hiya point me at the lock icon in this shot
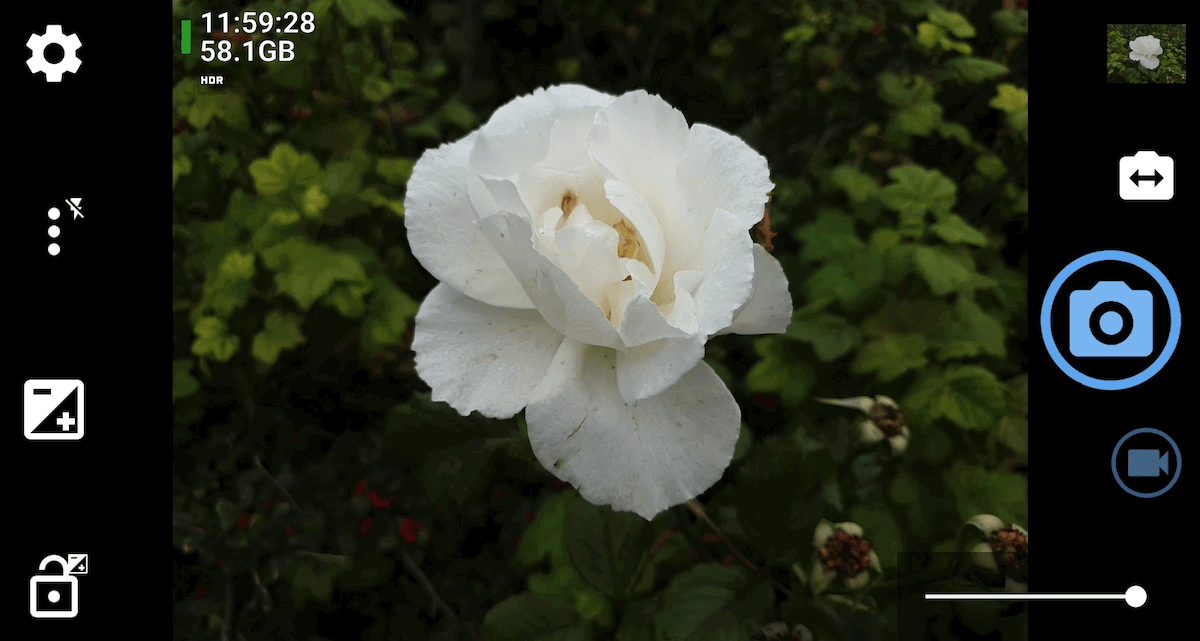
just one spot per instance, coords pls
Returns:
(53, 596)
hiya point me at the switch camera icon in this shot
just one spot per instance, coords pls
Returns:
(1147, 176)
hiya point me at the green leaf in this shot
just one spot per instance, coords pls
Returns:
(941, 269)
(859, 186)
(606, 546)
(919, 119)
(544, 538)
(360, 12)
(181, 165)
(969, 396)
(831, 234)
(184, 384)
(953, 22)
(985, 329)
(1009, 98)
(391, 310)
(313, 201)
(777, 372)
(953, 229)
(891, 355)
(458, 472)
(904, 489)
(375, 89)
(881, 531)
(830, 335)
(214, 340)
(458, 113)
(532, 617)
(307, 271)
(310, 583)
(978, 491)
(851, 278)
(929, 35)
(974, 69)
(1013, 432)
(343, 178)
(955, 131)
(285, 169)
(917, 191)
(394, 169)
(280, 331)
(229, 107)
(694, 598)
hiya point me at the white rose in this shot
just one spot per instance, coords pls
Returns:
(1146, 51)
(587, 247)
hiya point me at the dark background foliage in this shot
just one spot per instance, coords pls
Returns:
(320, 494)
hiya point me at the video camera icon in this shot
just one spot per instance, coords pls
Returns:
(1151, 462)
(1148, 463)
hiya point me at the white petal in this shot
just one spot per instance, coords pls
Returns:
(479, 357)
(720, 171)
(727, 261)
(643, 322)
(899, 443)
(987, 523)
(820, 577)
(873, 560)
(853, 529)
(518, 133)
(822, 533)
(859, 581)
(557, 297)
(588, 253)
(981, 554)
(769, 310)
(1133, 55)
(863, 404)
(650, 369)
(1150, 62)
(665, 451)
(869, 432)
(439, 218)
(639, 138)
(637, 211)
(886, 400)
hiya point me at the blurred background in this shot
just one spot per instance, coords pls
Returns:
(320, 494)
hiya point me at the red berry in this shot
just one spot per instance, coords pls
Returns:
(288, 531)
(517, 542)
(691, 551)
(380, 503)
(201, 591)
(365, 526)
(497, 495)
(266, 504)
(295, 437)
(360, 488)
(243, 521)
(528, 516)
(409, 529)
(557, 484)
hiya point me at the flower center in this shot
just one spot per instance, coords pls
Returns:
(889, 420)
(1011, 549)
(847, 555)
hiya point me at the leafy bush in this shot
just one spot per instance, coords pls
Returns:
(320, 494)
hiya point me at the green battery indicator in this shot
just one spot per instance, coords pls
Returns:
(186, 41)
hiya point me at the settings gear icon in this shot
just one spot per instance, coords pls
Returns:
(53, 70)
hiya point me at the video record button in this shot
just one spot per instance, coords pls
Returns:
(1146, 462)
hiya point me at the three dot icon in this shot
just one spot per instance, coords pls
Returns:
(53, 213)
